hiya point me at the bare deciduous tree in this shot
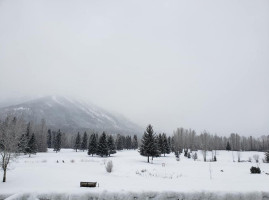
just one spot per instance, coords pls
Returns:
(239, 156)
(10, 132)
(205, 143)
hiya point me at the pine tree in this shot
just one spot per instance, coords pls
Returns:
(102, 148)
(128, 142)
(84, 142)
(195, 156)
(169, 144)
(77, 142)
(166, 146)
(135, 143)
(28, 131)
(27, 138)
(186, 152)
(123, 140)
(173, 144)
(228, 146)
(58, 141)
(111, 145)
(119, 143)
(149, 146)
(53, 139)
(92, 149)
(32, 147)
(97, 137)
(177, 154)
(267, 156)
(23, 143)
(49, 138)
(160, 144)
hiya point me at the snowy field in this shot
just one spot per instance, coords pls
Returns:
(132, 177)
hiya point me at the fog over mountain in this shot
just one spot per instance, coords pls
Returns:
(192, 64)
(71, 115)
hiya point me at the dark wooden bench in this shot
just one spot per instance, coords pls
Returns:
(88, 184)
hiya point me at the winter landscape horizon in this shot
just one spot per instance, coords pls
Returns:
(134, 100)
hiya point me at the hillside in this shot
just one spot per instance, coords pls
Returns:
(71, 115)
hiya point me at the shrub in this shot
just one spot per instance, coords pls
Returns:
(215, 159)
(189, 155)
(255, 170)
(256, 157)
(72, 161)
(109, 166)
(143, 170)
(194, 156)
(177, 155)
(186, 152)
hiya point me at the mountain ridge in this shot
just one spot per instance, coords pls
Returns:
(71, 115)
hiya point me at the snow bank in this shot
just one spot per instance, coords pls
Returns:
(143, 196)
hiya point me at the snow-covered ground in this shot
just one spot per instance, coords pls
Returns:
(132, 175)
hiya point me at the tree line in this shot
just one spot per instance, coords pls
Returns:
(187, 140)
(18, 136)
(103, 145)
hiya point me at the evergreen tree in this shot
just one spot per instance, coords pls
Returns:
(49, 137)
(267, 156)
(27, 138)
(23, 143)
(53, 139)
(195, 156)
(97, 137)
(28, 131)
(58, 141)
(77, 142)
(84, 142)
(149, 146)
(123, 139)
(177, 154)
(32, 147)
(102, 148)
(186, 152)
(228, 146)
(166, 146)
(92, 149)
(119, 142)
(111, 145)
(173, 144)
(163, 144)
(160, 144)
(128, 142)
(169, 144)
(135, 143)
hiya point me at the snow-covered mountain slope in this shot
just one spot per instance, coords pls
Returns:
(70, 115)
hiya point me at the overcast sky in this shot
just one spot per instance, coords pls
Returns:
(192, 64)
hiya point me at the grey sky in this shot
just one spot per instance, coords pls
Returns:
(193, 64)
